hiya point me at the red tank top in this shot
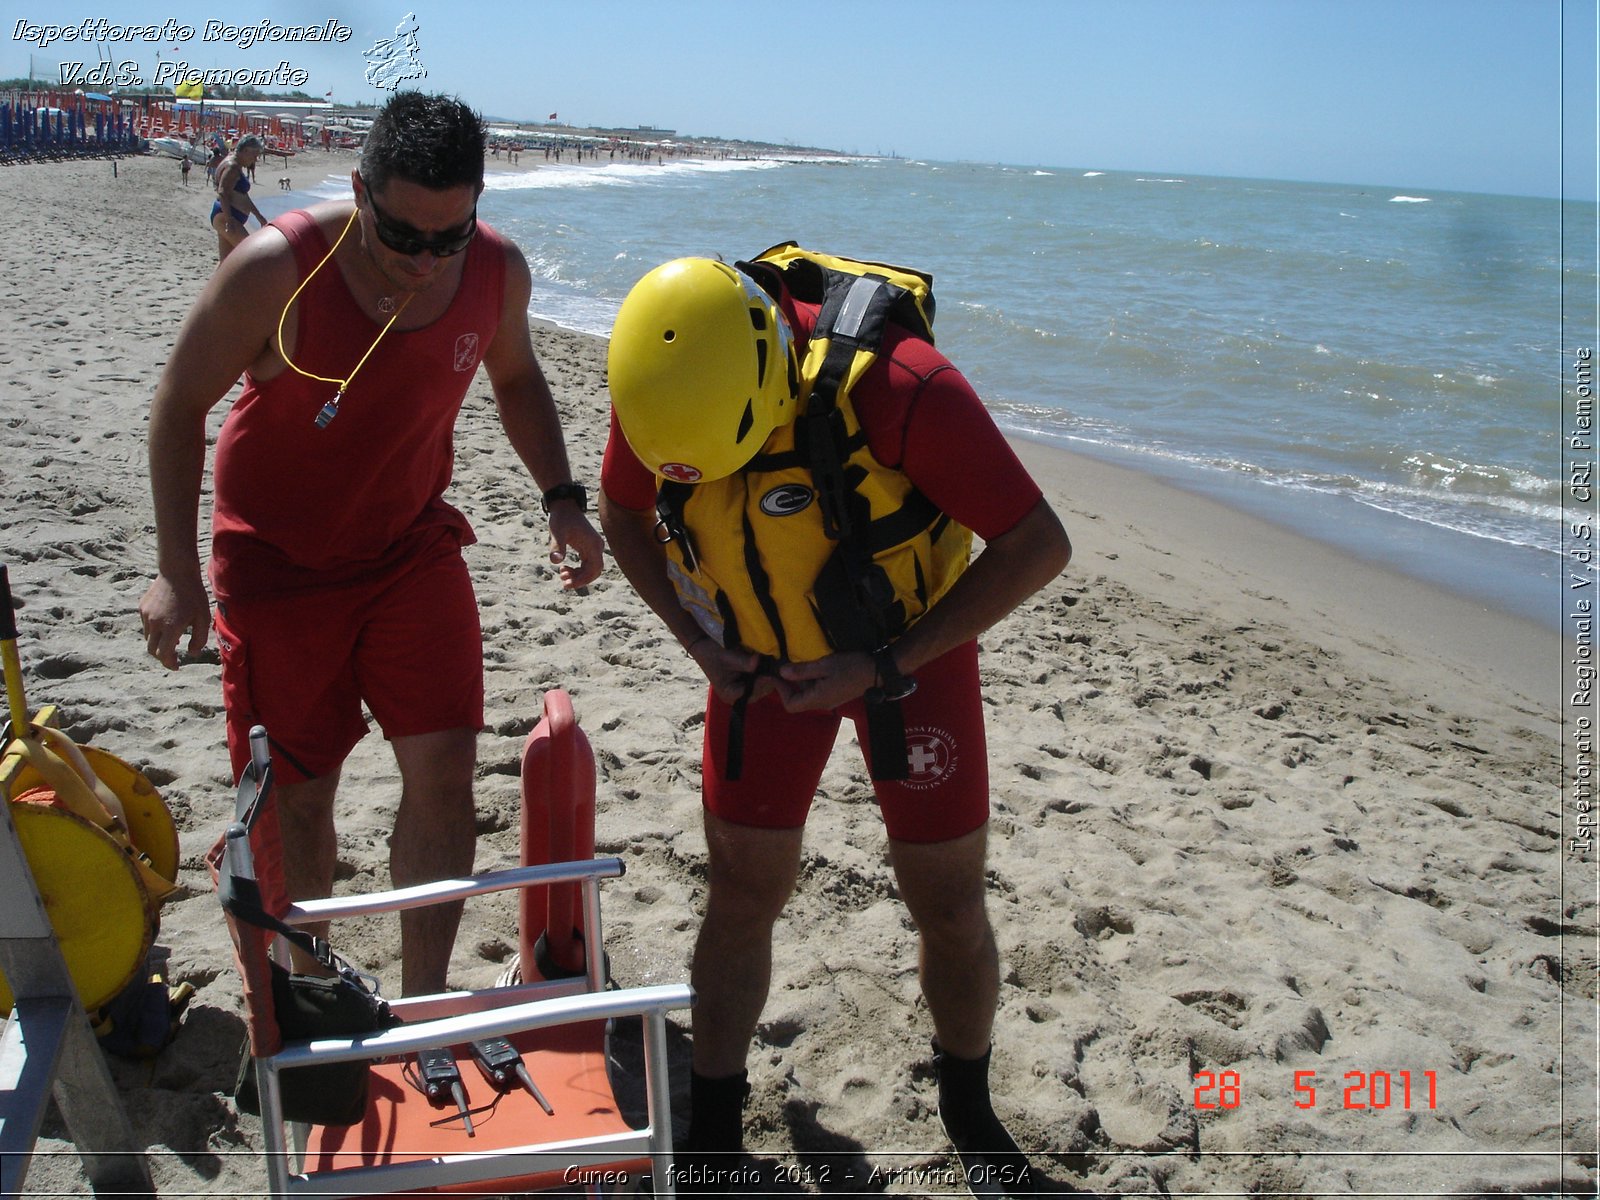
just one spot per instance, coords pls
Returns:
(298, 507)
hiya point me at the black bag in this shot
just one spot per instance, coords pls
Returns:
(312, 1006)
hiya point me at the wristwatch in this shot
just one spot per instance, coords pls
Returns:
(567, 491)
(892, 685)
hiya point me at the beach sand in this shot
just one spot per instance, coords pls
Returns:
(1260, 809)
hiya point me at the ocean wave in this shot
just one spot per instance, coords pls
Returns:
(333, 187)
(1410, 199)
(1509, 521)
(983, 320)
(1490, 482)
(1516, 515)
(622, 174)
(568, 308)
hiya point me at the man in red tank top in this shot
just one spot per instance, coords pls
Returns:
(358, 327)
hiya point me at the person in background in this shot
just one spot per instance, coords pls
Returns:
(233, 204)
(336, 562)
(712, 506)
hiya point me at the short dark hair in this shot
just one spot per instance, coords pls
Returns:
(433, 140)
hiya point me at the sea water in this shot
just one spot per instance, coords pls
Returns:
(1378, 368)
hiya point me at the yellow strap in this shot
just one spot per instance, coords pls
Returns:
(14, 694)
(344, 383)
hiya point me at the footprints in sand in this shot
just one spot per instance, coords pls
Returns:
(1101, 924)
(1262, 861)
(1224, 1007)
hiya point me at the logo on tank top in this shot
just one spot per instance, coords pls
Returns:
(466, 352)
(930, 755)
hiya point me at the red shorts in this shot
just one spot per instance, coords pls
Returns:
(407, 644)
(945, 796)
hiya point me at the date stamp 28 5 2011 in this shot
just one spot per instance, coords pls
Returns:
(1376, 1090)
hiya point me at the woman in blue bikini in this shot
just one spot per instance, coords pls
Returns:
(234, 186)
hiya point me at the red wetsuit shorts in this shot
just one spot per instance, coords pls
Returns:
(945, 795)
(406, 643)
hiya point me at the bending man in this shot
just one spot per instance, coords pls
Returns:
(817, 522)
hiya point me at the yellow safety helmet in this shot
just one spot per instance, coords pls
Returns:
(702, 369)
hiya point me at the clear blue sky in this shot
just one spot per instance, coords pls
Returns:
(1442, 94)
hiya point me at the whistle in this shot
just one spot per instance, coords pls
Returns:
(330, 410)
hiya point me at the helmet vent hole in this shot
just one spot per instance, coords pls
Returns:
(670, 335)
(746, 421)
(761, 364)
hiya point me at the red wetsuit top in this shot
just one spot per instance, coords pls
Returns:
(921, 417)
(298, 507)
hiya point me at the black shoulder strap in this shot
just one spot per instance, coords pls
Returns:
(671, 499)
(237, 885)
(855, 309)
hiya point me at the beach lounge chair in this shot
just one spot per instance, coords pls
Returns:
(404, 1142)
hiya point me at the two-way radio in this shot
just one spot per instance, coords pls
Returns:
(503, 1067)
(441, 1076)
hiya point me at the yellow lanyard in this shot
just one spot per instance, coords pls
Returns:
(330, 410)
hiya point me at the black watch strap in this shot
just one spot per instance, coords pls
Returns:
(567, 491)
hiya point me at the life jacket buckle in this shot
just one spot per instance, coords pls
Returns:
(669, 527)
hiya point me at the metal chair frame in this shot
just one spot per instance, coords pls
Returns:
(454, 1017)
(451, 1018)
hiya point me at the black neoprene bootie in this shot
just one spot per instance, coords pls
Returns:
(994, 1166)
(711, 1161)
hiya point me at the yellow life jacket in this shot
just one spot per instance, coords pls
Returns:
(815, 546)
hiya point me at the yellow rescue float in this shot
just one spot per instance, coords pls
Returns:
(99, 840)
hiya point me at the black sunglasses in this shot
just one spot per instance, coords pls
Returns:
(403, 239)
